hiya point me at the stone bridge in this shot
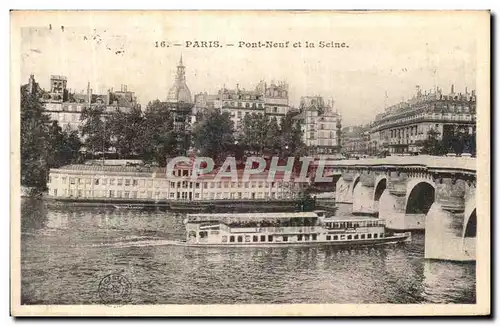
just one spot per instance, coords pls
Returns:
(415, 192)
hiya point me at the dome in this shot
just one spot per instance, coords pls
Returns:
(179, 92)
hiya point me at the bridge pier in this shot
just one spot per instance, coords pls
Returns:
(446, 224)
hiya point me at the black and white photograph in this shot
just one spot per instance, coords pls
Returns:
(250, 163)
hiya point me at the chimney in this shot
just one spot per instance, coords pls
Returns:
(452, 89)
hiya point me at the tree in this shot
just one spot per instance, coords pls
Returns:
(95, 129)
(64, 145)
(157, 138)
(432, 145)
(291, 137)
(214, 136)
(35, 145)
(272, 141)
(254, 132)
(126, 129)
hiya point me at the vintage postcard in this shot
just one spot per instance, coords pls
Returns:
(250, 163)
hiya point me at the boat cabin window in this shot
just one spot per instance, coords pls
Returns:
(369, 236)
(328, 237)
(342, 237)
(270, 238)
(247, 238)
(335, 237)
(375, 235)
(231, 238)
(381, 235)
(362, 236)
(240, 238)
(299, 237)
(255, 238)
(349, 237)
(203, 234)
(314, 236)
(356, 237)
(306, 237)
(262, 238)
(285, 238)
(224, 238)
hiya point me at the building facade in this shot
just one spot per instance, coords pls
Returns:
(403, 127)
(276, 101)
(122, 183)
(321, 125)
(238, 103)
(357, 142)
(66, 107)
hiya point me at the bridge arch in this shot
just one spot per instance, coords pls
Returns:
(380, 186)
(470, 225)
(420, 196)
(355, 182)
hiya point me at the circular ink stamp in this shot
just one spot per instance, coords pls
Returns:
(114, 288)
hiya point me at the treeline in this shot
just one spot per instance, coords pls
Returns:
(455, 140)
(151, 135)
(44, 144)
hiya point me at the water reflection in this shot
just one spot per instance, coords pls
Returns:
(62, 264)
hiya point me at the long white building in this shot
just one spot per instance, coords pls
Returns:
(118, 183)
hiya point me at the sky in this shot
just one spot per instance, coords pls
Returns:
(387, 54)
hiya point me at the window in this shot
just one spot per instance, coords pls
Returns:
(285, 238)
(119, 182)
(349, 237)
(335, 237)
(134, 182)
(119, 194)
(247, 238)
(240, 238)
(111, 193)
(231, 238)
(299, 237)
(369, 236)
(375, 235)
(87, 181)
(328, 237)
(270, 238)
(104, 182)
(356, 237)
(255, 238)
(96, 181)
(126, 194)
(150, 194)
(134, 194)
(112, 181)
(72, 181)
(197, 185)
(127, 182)
(262, 238)
(381, 235)
(275, 109)
(224, 238)
(362, 236)
(314, 237)
(306, 237)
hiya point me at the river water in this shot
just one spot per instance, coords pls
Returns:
(67, 251)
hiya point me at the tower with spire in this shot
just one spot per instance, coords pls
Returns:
(179, 92)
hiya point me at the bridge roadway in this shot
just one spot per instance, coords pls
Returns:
(435, 194)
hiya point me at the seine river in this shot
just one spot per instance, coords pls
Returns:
(67, 251)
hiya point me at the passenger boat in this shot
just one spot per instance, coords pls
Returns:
(285, 229)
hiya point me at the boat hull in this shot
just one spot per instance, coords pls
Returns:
(397, 238)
